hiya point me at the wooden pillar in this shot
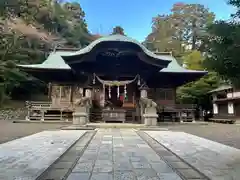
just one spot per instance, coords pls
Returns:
(49, 91)
(71, 94)
(60, 94)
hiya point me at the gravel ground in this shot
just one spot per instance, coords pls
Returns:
(10, 131)
(228, 134)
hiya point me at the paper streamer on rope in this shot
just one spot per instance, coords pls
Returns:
(94, 78)
(118, 93)
(125, 91)
(116, 83)
(109, 92)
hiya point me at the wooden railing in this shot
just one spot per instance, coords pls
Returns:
(39, 110)
(177, 107)
(47, 105)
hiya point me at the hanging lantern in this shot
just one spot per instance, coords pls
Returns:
(118, 93)
(109, 92)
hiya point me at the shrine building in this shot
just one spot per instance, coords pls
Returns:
(111, 69)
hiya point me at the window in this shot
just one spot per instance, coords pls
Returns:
(164, 94)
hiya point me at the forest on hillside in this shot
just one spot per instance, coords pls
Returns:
(30, 29)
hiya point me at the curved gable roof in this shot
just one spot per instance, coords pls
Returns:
(116, 37)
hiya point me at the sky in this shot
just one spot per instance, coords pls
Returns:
(135, 16)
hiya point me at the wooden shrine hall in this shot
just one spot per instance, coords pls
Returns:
(114, 71)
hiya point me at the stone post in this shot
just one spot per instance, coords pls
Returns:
(230, 108)
(180, 117)
(42, 115)
(215, 106)
(80, 116)
(88, 94)
(193, 117)
(143, 94)
(150, 116)
(149, 111)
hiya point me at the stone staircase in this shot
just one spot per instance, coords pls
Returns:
(96, 114)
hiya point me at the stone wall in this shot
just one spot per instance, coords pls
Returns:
(13, 114)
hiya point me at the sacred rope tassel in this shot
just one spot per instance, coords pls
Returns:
(109, 92)
(118, 93)
(125, 91)
(94, 80)
(138, 82)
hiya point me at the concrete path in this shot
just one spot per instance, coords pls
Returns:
(215, 160)
(26, 158)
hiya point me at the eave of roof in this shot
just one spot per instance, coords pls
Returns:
(53, 62)
(174, 67)
(221, 88)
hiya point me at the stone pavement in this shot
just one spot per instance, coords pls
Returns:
(117, 154)
(26, 158)
(120, 155)
(215, 160)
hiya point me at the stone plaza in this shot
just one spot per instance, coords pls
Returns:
(117, 154)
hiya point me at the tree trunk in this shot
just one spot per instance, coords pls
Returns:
(194, 34)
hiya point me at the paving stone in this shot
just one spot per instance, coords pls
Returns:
(124, 175)
(78, 148)
(172, 159)
(146, 174)
(32, 155)
(169, 176)
(104, 158)
(83, 167)
(213, 159)
(161, 167)
(79, 176)
(56, 174)
(190, 173)
(103, 168)
(89, 157)
(141, 165)
(68, 158)
(164, 153)
(179, 165)
(138, 159)
(122, 166)
(62, 165)
(103, 163)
